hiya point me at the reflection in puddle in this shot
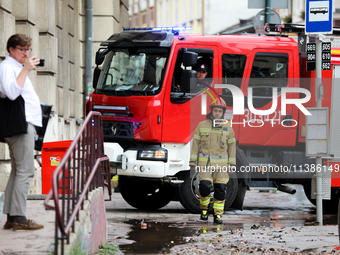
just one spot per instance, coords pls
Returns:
(157, 237)
(160, 237)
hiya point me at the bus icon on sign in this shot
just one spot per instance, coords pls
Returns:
(322, 10)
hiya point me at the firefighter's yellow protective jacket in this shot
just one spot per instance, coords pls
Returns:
(213, 145)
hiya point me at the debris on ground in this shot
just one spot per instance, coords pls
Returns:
(264, 240)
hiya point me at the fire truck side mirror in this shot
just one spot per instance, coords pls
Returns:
(99, 58)
(96, 74)
(189, 58)
(189, 77)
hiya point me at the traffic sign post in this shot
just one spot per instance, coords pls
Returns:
(261, 4)
(319, 20)
(318, 103)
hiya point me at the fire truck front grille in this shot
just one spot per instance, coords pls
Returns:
(117, 130)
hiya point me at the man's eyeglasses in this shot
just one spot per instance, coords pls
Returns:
(24, 50)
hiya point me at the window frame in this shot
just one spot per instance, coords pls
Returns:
(269, 78)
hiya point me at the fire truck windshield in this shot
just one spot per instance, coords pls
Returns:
(133, 71)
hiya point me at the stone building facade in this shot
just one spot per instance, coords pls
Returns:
(167, 13)
(57, 28)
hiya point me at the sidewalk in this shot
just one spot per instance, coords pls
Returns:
(29, 242)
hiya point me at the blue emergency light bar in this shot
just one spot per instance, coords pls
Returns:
(172, 29)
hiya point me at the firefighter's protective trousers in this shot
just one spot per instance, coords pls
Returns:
(213, 152)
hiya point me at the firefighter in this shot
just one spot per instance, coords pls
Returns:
(213, 155)
(202, 69)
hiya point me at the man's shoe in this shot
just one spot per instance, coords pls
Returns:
(8, 225)
(204, 215)
(32, 225)
(218, 219)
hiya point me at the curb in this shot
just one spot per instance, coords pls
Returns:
(1, 204)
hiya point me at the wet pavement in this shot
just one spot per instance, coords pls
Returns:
(276, 221)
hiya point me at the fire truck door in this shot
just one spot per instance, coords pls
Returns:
(183, 109)
(269, 70)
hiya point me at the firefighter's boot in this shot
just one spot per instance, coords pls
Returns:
(204, 201)
(204, 215)
(218, 219)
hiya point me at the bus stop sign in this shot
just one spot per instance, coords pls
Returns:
(319, 17)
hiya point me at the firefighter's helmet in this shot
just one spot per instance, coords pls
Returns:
(218, 103)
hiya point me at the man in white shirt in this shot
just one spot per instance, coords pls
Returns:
(14, 81)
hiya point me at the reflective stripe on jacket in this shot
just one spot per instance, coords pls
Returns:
(213, 146)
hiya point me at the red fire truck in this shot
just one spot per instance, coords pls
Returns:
(145, 90)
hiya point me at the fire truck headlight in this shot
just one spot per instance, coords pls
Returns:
(152, 154)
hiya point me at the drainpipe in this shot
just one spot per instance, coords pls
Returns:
(88, 50)
(202, 19)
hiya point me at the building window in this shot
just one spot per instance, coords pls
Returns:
(199, 9)
(151, 15)
(167, 13)
(135, 9)
(131, 21)
(143, 18)
(136, 21)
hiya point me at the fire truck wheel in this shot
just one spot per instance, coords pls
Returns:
(145, 194)
(328, 206)
(189, 194)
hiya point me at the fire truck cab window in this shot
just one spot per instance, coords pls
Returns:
(232, 69)
(269, 70)
(133, 71)
(205, 57)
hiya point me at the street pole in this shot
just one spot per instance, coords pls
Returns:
(88, 49)
(267, 11)
(318, 104)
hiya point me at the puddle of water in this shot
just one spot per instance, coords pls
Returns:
(327, 220)
(264, 210)
(159, 237)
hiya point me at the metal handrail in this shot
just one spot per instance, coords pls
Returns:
(81, 170)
